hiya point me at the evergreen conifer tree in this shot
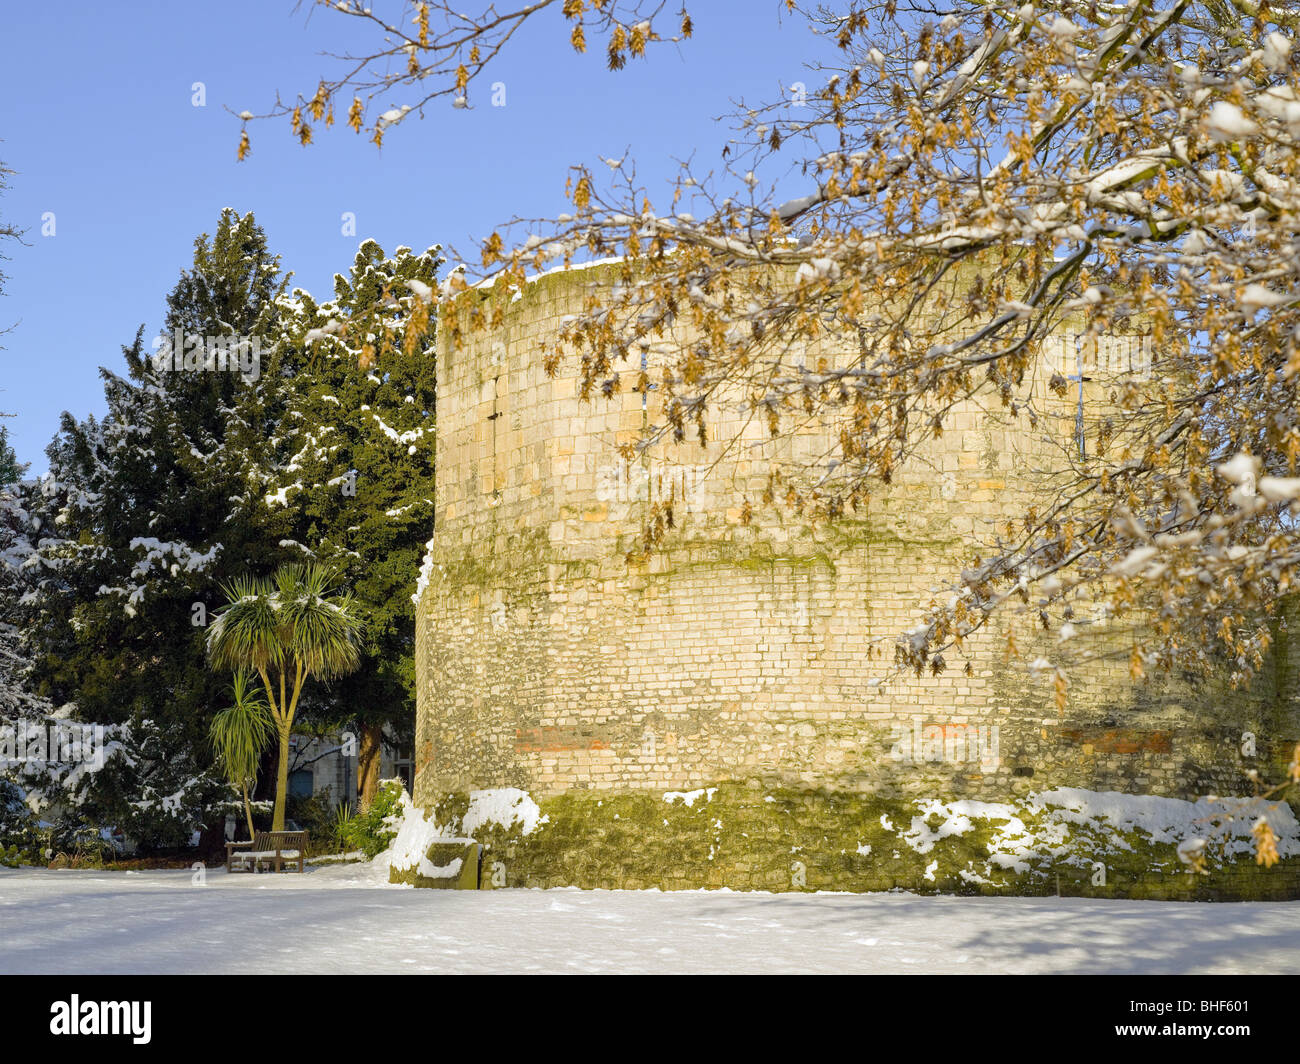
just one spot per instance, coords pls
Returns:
(353, 481)
(142, 503)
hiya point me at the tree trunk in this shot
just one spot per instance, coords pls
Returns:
(281, 780)
(248, 812)
(212, 843)
(368, 758)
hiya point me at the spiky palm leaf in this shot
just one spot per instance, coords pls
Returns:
(322, 631)
(247, 634)
(240, 734)
(292, 626)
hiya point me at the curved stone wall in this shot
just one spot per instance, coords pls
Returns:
(750, 652)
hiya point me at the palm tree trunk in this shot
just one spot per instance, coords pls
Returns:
(287, 710)
(282, 778)
(248, 812)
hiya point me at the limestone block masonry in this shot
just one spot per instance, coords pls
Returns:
(749, 655)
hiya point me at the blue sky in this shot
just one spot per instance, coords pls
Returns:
(98, 122)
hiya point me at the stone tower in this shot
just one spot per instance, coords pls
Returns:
(755, 654)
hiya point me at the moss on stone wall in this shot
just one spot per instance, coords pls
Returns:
(741, 837)
(459, 860)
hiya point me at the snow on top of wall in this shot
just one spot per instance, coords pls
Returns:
(418, 830)
(504, 806)
(573, 267)
(1043, 825)
(689, 798)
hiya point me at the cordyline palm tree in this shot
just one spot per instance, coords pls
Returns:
(288, 629)
(239, 734)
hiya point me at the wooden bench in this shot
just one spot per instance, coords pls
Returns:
(268, 847)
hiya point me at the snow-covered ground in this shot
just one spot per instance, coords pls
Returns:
(345, 918)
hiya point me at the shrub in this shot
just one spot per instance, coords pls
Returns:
(19, 831)
(314, 815)
(81, 841)
(373, 831)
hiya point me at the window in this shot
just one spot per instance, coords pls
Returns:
(301, 783)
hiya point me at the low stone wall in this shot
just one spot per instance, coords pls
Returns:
(738, 837)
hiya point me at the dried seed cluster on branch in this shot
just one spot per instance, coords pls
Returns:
(968, 180)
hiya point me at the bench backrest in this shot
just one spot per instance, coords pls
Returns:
(280, 840)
